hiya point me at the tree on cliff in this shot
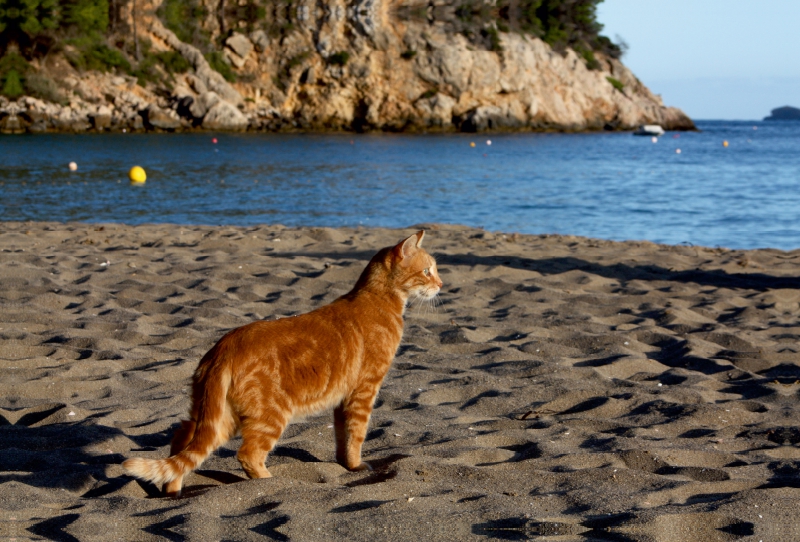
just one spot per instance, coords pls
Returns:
(561, 23)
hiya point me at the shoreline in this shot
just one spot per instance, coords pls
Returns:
(30, 115)
(565, 385)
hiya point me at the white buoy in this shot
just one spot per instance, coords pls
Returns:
(73, 166)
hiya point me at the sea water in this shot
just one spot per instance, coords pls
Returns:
(680, 188)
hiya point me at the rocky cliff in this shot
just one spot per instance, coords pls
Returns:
(350, 65)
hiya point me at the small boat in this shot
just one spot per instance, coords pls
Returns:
(649, 130)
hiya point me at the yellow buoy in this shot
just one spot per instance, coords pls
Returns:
(137, 175)
(725, 143)
(472, 144)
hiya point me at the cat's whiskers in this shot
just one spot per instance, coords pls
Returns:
(433, 304)
(426, 302)
(419, 300)
(436, 302)
(429, 305)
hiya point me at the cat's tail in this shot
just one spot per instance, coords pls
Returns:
(213, 428)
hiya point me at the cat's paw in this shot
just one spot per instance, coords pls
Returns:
(364, 466)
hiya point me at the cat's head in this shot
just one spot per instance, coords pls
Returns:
(414, 270)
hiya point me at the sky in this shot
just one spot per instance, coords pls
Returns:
(715, 59)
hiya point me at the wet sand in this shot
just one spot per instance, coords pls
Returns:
(565, 388)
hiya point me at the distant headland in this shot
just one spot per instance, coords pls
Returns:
(784, 113)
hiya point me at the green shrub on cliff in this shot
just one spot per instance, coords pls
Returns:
(36, 16)
(588, 57)
(217, 62)
(616, 83)
(573, 24)
(12, 84)
(91, 54)
(339, 59)
(41, 86)
(17, 78)
(527, 19)
(21, 20)
(182, 17)
(561, 23)
(494, 38)
(87, 16)
(158, 66)
(173, 62)
(13, 68)
(30, 28)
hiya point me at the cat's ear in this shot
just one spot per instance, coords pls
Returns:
(407, 247)
(419, 235)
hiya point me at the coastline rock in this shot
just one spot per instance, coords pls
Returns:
(223, 115)
(786, 112)
(11, 124)
(72, 118)
(101, 120)
(155, 117)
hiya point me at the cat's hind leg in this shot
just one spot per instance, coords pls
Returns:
(350, 421)
(258, 439)
(182, 437)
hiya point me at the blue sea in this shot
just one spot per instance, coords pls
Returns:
(682, 188)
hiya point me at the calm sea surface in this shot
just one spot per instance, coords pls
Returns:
(606, 185)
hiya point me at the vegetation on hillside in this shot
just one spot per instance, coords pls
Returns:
(561, 23)
(98, 34)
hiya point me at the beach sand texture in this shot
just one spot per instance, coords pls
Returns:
(565, 389)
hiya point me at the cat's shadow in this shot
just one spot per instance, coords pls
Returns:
(279, 451)
(625, 272)
(381, 471)
(38, 449)
(618, 271)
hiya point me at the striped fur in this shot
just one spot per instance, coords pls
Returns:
(260, 376)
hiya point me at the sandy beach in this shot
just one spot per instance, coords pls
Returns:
(564, 389)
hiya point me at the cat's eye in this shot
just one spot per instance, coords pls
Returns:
(426, 271)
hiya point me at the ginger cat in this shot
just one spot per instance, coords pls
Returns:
(259, 376)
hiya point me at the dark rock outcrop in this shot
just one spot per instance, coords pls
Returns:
(784, 113)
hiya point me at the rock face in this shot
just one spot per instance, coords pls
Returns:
(223, 115)
(784, 113)
(356, 65)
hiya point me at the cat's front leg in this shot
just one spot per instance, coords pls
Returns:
(350, 421)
